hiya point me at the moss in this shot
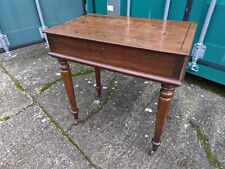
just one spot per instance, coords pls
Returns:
(68, 137)
(99, 108)
(80, 72)
(48, 85)
(5, 118)
(15, 81)
(206, 84)
(201, 136)
(83, 71)
(18, 85)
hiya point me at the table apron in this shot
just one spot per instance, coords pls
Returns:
(153, 65)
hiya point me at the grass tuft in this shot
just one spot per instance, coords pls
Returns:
(5, 118)
(204, 141)
(18, 85)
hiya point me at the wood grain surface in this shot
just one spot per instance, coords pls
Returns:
(152, 34)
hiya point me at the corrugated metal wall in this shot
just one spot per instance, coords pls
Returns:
(20, 22)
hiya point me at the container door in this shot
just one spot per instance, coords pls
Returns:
(19, 21)
(60, 11)
(212, 66)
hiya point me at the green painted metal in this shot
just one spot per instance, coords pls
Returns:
(214, 40)
(101, 7)
(177, 8)
(90, 6)
(215, 37)
(60, 11)
(123, 7)
(147, 9)
(19, 19)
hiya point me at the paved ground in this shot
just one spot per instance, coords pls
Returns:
(37, 130)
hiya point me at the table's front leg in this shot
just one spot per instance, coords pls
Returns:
(98, 80)
(68, 83)
(164, 102)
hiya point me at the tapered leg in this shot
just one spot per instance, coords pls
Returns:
(98, 80)
(68, 83)
(164, 102)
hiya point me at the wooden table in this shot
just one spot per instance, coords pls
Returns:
(148, 48)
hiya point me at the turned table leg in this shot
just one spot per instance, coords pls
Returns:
(98, 80)
(68, 83)
(164, 102)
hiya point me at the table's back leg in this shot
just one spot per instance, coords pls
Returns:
(164, 102)
(67, 78)
(98, 80)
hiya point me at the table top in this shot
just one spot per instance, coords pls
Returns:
(151, 34)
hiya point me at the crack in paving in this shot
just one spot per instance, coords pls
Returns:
(15, 81)
(82, 71)
(100, 107)
(203, 140)
(8, 117)
(19, 88)
(68, 136)
(52, 119)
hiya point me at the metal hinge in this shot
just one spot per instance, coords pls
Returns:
(197, 53)
(41, 29)
(4, 42)
(43, 35)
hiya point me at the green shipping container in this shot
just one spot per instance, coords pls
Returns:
(20, 22)
(212, 66)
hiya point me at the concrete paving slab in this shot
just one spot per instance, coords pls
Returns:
(119, 136)
(30, 141)
(55, 100)
(12, 101)
(208, 112)
(33, 67)
(116, 133)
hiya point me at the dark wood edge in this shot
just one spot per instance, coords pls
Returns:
(185, 37)
(118, 69)
(84, 7)
(94, 6)
(180, 54)
(183, 70)
(188, 9)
